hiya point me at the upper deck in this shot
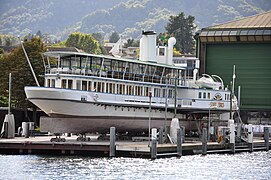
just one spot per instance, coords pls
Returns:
(116, 68)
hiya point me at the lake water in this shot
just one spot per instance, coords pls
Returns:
(256, 165)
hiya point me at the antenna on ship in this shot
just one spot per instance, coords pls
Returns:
(31, 68)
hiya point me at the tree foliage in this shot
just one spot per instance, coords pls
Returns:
(85, 42)
(182, 28)
(15, 62)
(131, 43)
(114, 37)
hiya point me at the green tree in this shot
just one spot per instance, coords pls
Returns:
(114, 37)
(99, 37)
(15, 62)
(39, 34)
(182, 28)
(131, 43)
(84, 42)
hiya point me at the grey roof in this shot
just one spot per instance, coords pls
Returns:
(258, 21)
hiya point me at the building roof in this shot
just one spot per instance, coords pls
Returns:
(249, 29)
(260, 21)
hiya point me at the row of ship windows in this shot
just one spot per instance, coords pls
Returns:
(111, 87)
(204, 95)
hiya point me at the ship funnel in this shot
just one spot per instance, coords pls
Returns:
(171, 43)
(148, 46)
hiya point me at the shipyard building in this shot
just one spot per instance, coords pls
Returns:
(245, 43)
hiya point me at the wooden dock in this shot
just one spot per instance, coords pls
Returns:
(101, 148)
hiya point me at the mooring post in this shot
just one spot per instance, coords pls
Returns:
(179, 142)
(266, 138)
(232, 137)
(161, 137)
(154, 143)
(204, 141)
(250, 137)
(112, 142)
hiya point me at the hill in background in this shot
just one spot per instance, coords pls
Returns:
(129, 17)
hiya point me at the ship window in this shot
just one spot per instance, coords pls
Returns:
(209, 96)
(89, 85)
(199, 94)
(78, 84)
(53, 84)
(156, 92)
(164, 93)
(204, 95)
(70, 84)
(48, 82)
(161, 51)
(94, 86)
(102, 87)
(84, 85)
(64, 83)
(170, 93)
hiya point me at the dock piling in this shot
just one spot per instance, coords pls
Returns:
(112, 142)
(179, 142)
(204, 141)
(232, 137)
(250, 138)
(266, 138)
(153, 147)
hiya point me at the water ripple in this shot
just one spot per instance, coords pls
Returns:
(256, 165)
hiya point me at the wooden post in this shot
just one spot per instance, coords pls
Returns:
(112, 142)
(179, 142)
(250, 138)
(266, 138)
(232, 138)
(154, 143)
(204, 141)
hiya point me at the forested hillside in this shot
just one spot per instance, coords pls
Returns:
(61, 17)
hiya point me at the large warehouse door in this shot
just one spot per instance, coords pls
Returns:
(253, 71)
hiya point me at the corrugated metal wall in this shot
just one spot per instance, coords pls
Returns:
(253, 70)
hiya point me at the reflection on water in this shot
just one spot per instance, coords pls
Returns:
(256, 165)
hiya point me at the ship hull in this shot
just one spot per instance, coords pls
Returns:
(68, 113)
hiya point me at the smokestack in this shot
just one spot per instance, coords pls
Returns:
(171, 43)
(148, 46)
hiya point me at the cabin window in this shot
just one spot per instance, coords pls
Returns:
(84, 85)
(70, 86)
(164, 92)
(209, 96)
(120, 89)
(138, 90)
(48, 82)
(53, 84)
(204, 95)
(156, 92)
(94, 86)
(200, 95)
(78, 84)
(89, 85)
(161, 51)
(170, 93)
(64, 83)
(102, 87)
(107, 88)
